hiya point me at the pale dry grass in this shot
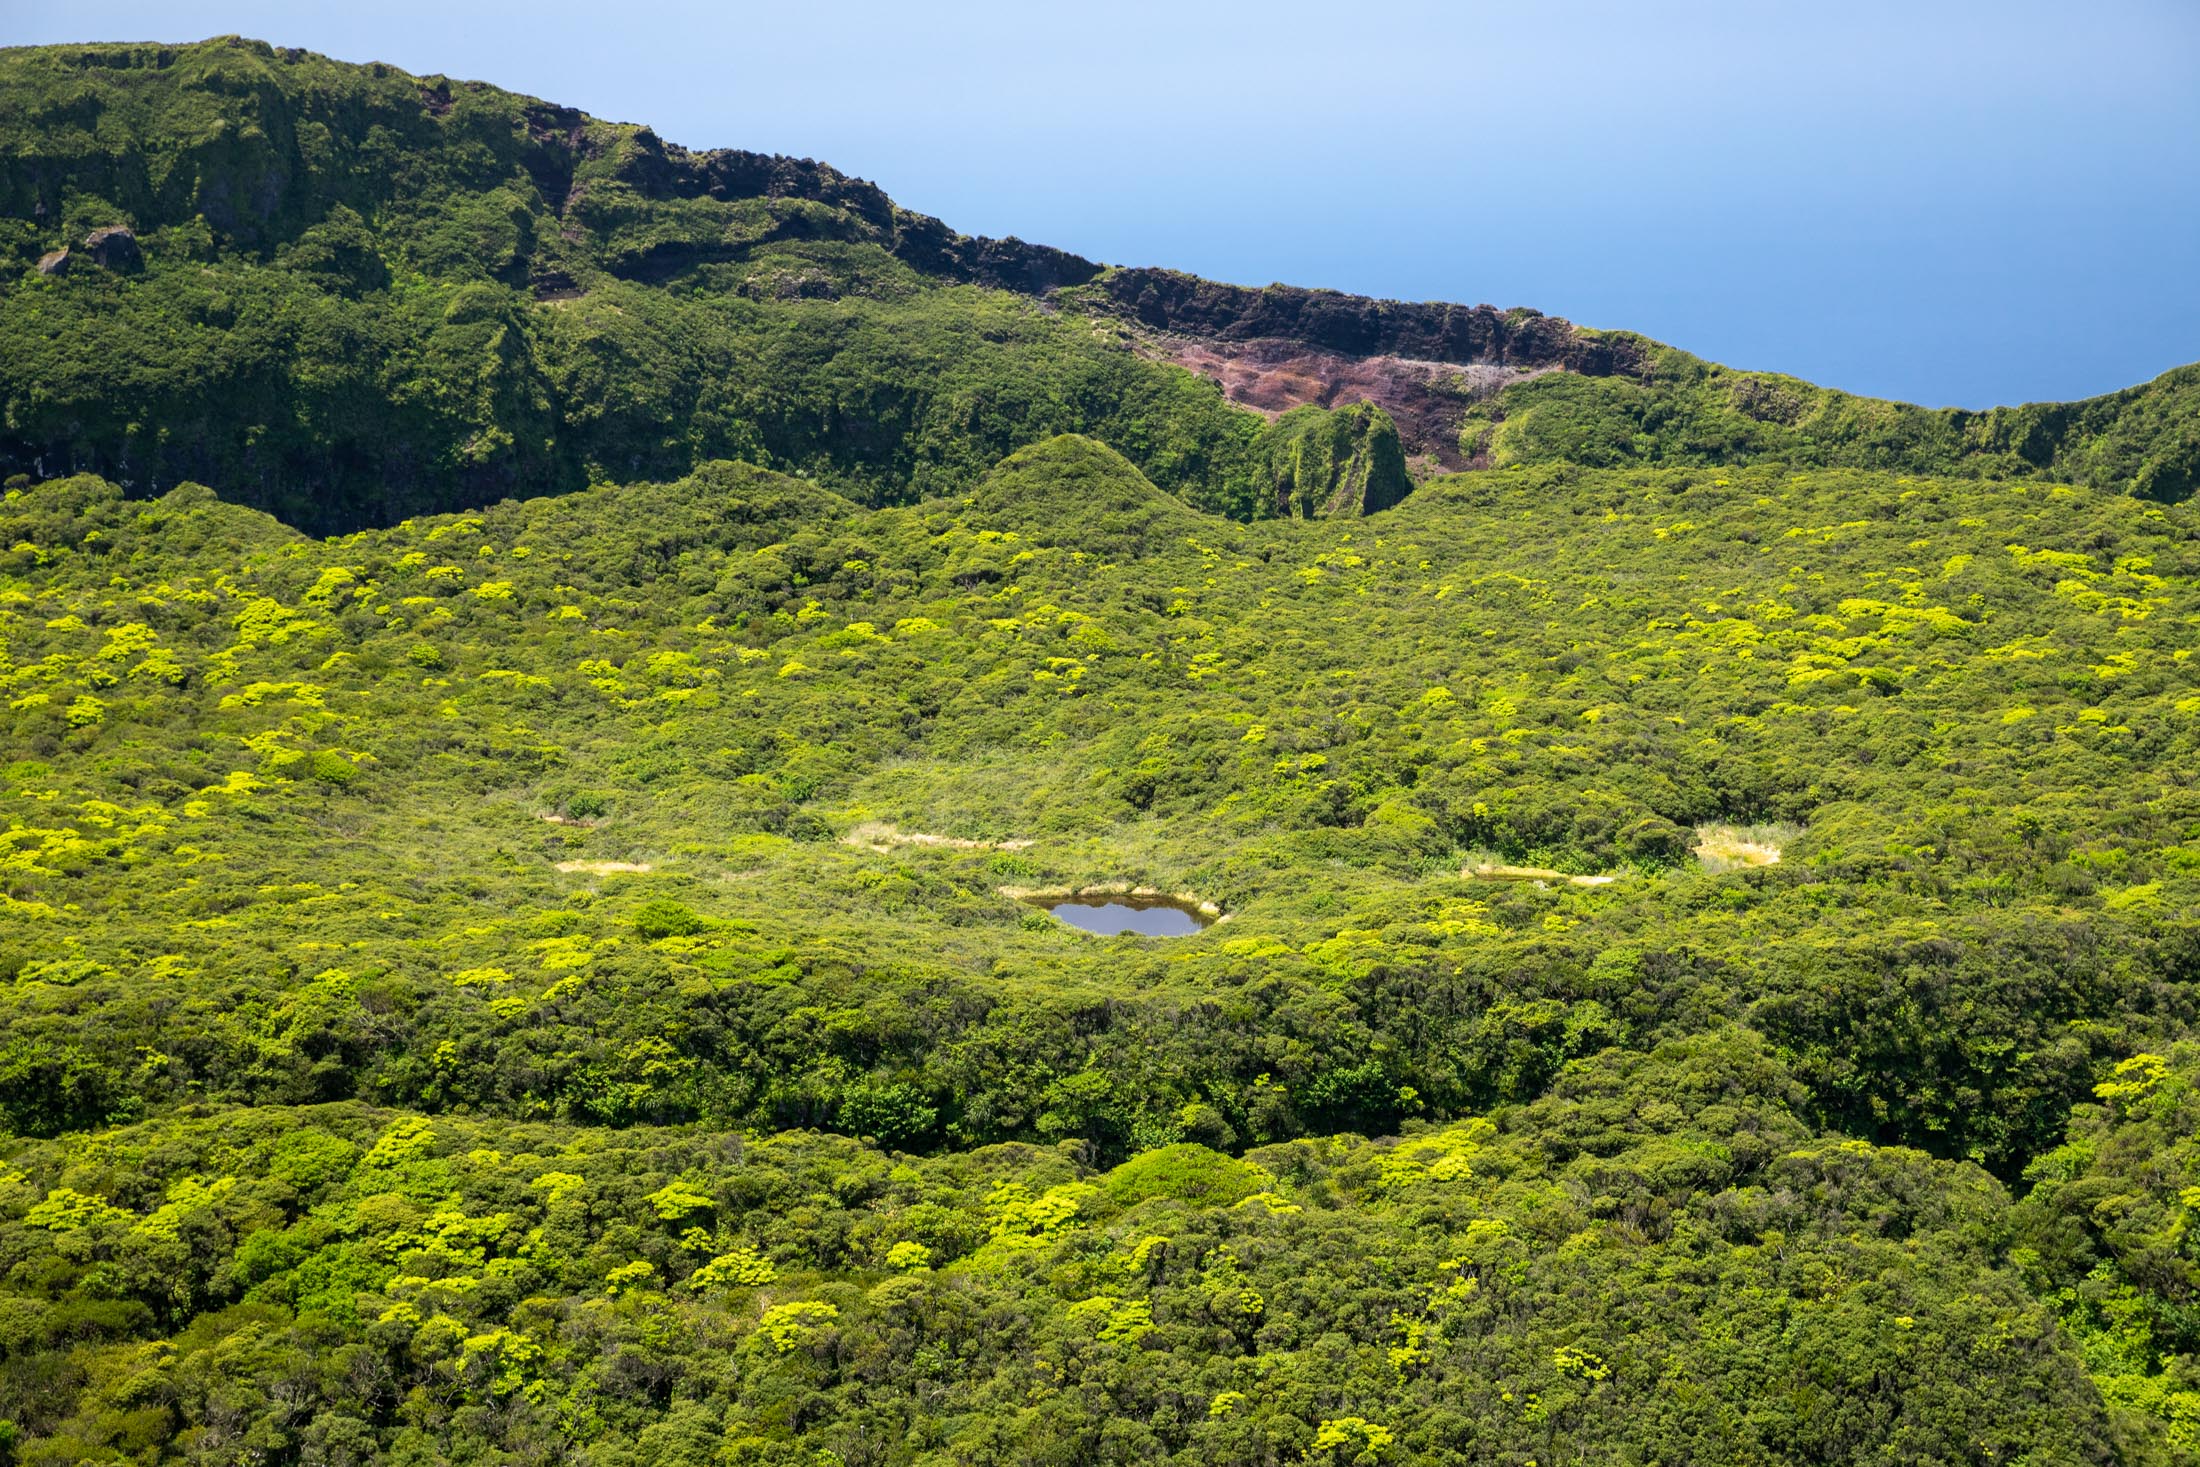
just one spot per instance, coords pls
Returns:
(877, 835)
(1730, 847)
(605, 868)
(1491, 871)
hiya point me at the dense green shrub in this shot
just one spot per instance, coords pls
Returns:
(1710, 959)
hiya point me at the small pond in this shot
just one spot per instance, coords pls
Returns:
(1110, 916)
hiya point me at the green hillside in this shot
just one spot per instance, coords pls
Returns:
(1683, 411)
(355, 295)
(360, 295)
(530, 765)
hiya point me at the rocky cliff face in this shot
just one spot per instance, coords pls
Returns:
(1281, 347)
(1352, 325)
(261, 143)
(233, 150)
(1429, 401)
(664, 171)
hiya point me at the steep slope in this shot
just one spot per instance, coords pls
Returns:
(1679, 410)
(1347, 461)
(360, 294)
(347, 294)
(1473, 387)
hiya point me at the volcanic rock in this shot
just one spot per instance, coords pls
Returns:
(114, 248)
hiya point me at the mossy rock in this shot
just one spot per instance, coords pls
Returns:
(1344, 461)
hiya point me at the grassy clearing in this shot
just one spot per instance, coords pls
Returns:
(881, 838)
(1491, 871)
(1731, 847)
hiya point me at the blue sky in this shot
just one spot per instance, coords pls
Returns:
(1949, 202)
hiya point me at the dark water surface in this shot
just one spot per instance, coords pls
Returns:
(1110, 916)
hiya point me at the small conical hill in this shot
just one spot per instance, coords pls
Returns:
(1078, 493)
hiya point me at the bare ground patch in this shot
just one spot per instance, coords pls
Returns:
(1426, 399)
(1732, 847)
(605, 868)
(878, 836)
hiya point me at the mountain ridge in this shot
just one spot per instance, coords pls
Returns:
(353, 294)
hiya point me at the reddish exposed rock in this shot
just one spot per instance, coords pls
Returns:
(55, 262)
(1427, 399)
(1424, 363)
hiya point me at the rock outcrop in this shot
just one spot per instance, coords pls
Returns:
(660, 170)
(114, 248)
(1360, 326)
(1347, 462)
(1281, 347)
(1427, 400)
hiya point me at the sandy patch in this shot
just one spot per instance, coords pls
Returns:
(604, 868)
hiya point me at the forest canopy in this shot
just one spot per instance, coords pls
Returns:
(544, 679)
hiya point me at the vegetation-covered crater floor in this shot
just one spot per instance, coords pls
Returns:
(434, 909)
(540, 671)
